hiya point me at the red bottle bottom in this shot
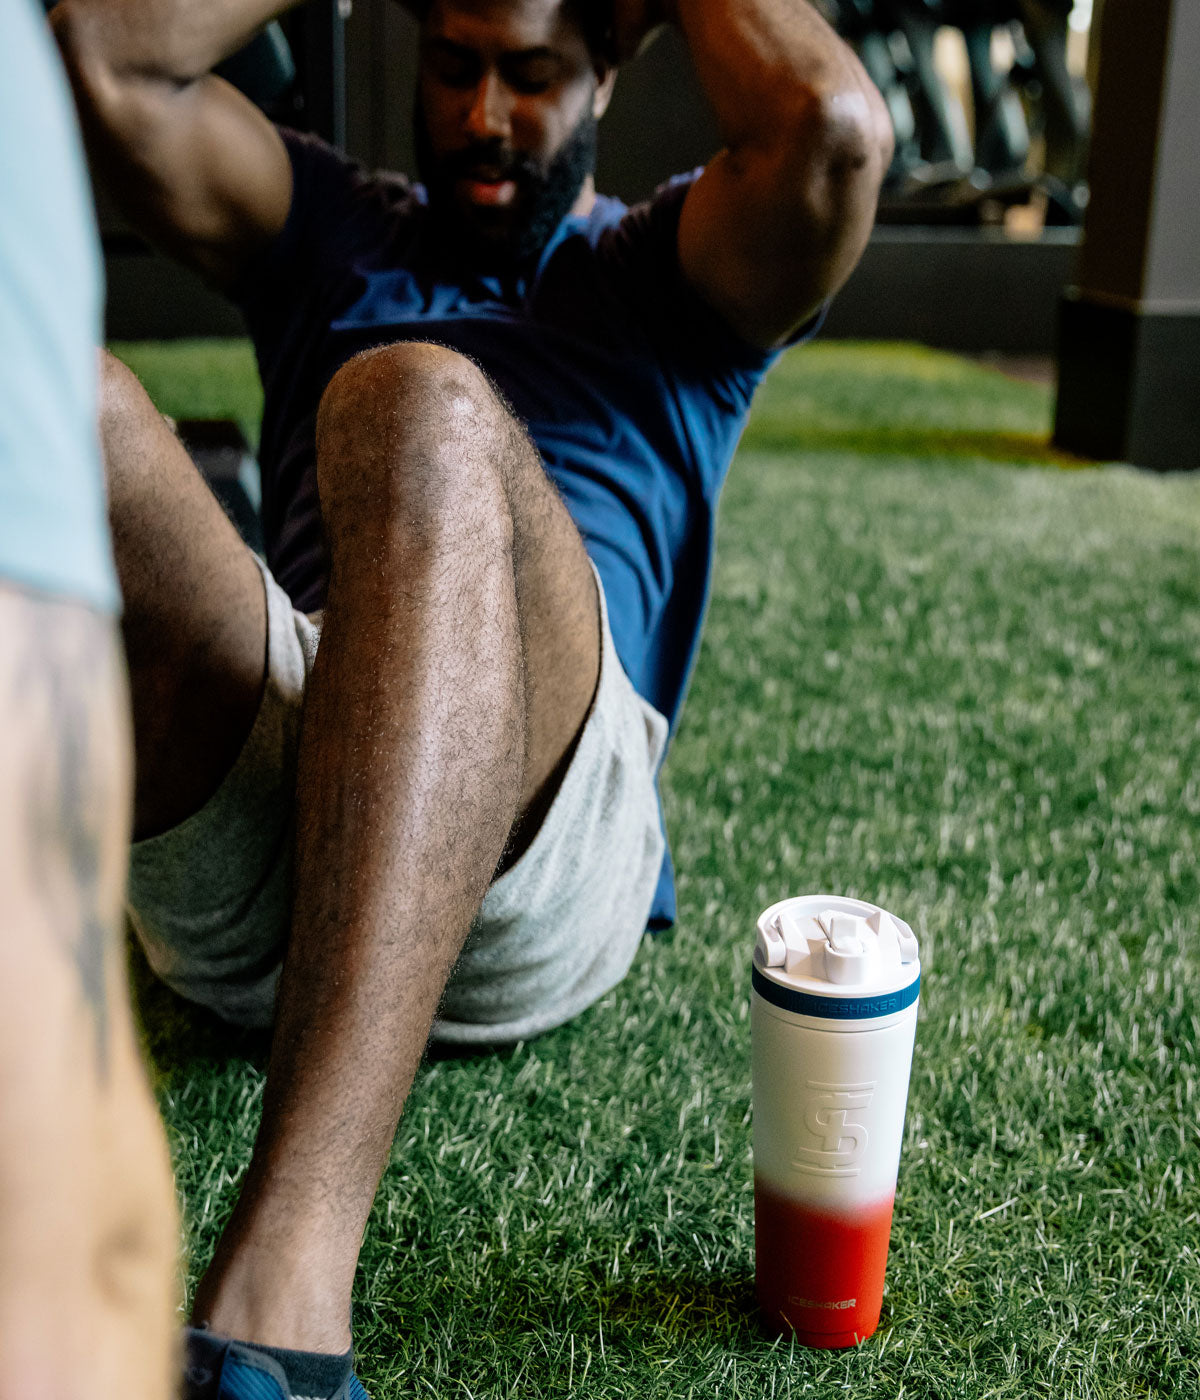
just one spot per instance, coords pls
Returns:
(820, 1273)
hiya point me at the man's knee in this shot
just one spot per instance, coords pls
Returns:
(415, 434)
(411, 378)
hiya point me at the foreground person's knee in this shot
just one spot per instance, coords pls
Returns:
(122, 401)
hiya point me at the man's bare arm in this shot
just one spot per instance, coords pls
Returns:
(781, 215)
(194, 164)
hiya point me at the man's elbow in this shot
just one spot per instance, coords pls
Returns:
(69, 28)
(79, 33)
(845, 134)
(829, 168)
(120, 105)
(84, 39)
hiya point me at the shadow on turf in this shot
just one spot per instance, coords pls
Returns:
(685, 1306)
(1013, 449)
(669, 1308)
(175, 1032)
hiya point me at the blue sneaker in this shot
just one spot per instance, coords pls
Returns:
(216, 1368)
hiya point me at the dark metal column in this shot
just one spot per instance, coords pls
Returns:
(1129, 346)
(320, 36)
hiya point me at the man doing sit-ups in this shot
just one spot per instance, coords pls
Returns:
(499, 409)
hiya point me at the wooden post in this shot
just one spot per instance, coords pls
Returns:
(1129, 342)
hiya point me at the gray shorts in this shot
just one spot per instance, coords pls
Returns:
(210, 899)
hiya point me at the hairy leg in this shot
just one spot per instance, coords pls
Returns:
(195, 623)
(458, 659)
(87, 1217)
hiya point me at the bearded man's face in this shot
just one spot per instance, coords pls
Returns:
(507, 102)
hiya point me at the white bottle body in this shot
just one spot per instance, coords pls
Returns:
(829, 1104)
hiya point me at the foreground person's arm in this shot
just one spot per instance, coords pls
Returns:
(194, 165)
(87, 1226)
(780, 216)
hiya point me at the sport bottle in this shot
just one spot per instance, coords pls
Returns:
(833, 1016)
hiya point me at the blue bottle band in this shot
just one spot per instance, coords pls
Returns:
(834, 1008)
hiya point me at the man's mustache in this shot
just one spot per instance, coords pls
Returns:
(491, 160)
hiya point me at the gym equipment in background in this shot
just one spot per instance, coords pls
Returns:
(941, 172)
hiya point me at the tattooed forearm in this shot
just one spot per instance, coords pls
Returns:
(70, 808)
(62, 714)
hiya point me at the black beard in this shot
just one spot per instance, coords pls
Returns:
(545, 195)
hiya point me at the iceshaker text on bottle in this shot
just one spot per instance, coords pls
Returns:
(833, 1016)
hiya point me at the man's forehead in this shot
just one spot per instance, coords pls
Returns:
(510, 24)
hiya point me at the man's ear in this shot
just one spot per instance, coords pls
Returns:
(606, 79)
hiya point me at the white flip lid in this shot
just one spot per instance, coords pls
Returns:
(830, 946)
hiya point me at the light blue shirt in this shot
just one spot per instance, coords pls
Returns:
(53, 522)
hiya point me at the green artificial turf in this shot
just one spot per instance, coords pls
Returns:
(943, 672)
(198, 378)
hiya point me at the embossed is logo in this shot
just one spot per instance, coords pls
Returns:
(839, 1140)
